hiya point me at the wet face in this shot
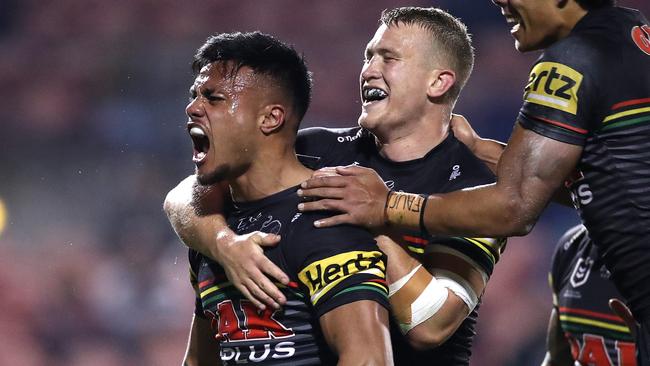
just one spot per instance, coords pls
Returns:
(535, 23)
(396, 73)
(223, 114)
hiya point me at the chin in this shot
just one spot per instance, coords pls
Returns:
(211, 177)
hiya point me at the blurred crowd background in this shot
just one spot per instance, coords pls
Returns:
(92, 97)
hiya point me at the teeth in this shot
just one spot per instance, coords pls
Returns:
(200, 155)
(196, 131)
(374, 94)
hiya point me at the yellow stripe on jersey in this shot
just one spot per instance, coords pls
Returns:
(215, 288)
(626, 113)
(594, 323)
(483, 247)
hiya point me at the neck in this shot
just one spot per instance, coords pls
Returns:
(572, 15)
(272, 171)
(414, 140)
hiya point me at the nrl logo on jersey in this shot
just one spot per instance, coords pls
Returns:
(581, 272)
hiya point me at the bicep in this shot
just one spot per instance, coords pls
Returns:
(202, 347)
(358, 325)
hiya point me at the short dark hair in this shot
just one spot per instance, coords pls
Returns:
(265, 55)
(446, 30)
(594, 4)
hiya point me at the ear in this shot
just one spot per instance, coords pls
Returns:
(272, 119)
(441, 81)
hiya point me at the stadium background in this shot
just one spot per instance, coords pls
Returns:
(93, 95)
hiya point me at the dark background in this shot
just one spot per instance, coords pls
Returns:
(92, 100)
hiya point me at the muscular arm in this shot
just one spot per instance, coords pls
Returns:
(202, 347)
(435, 330)
(196, 214)
(531, 169)
(358, 333)
(558, 350)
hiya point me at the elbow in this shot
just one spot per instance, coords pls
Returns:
(518, 220)
(423, 338)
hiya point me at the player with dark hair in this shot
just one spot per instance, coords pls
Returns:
(249, 95)
(414, 69)
(585, 121)
(582, 327)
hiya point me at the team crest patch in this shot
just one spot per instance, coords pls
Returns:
(554, 85)
(581, 272)
(641, 37)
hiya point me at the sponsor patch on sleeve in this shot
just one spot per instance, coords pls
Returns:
(554, 85)
(323, 275)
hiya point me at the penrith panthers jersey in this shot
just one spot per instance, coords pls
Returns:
(450, 166)
(592, 89)
(327, 268)
(581, 289)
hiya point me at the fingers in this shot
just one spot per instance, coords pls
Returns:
(322, 192)
(352, 170)
(335, 220)
(324, 172)
(326, 181)
(321, 205)
(266, 239)
(250, 297)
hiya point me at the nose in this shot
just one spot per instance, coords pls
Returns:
(195, 108)
(370, 70)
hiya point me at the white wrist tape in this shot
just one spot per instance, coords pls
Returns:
(459, 286)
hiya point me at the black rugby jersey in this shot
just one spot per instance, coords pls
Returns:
(327, 268)
(581, 289)
(592, 89)
(450, 166)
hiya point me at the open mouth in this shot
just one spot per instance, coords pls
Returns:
(514, 22)
(200, 142)
(371, 94)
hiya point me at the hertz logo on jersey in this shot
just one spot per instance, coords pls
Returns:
(321, 276)
(554, 85)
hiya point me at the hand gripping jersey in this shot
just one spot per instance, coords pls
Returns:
(581, 289)
(327, 268)
(448, 167)
(592, 89)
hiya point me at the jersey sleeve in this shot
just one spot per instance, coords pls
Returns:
(336, 266)
(560, 98)
(318, 147)
(195, 263)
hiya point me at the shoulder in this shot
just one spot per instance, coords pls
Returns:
(333, 146)
(302, 231)
(324, 134)
(465, 169)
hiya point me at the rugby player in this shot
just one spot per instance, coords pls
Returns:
(414, 69)
(249, 95)
(582, 328)
(585, 121)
